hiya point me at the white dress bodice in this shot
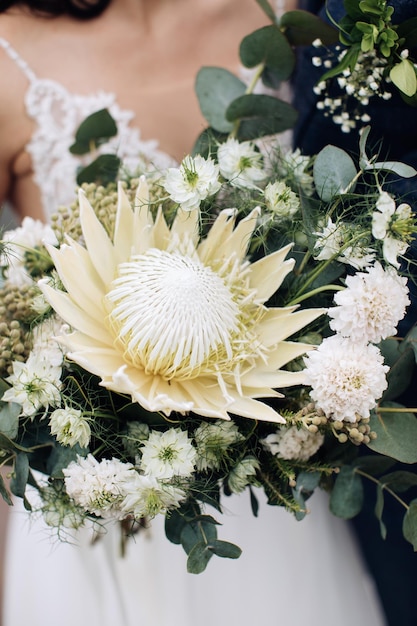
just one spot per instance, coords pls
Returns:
(290, 572)
(57, 113)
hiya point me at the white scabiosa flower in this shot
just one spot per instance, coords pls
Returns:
(241, 163)
(243, 474)
(213, 442)
(293, 444)
(99, 487)
(393, 225)
(176, 321)
(195, 180)
(280, 200)
(147, 497)
(167, 454)
(346, 378)
(371, 306)
(70, 427)
(44, 343)
(35, 384)
(31, 235)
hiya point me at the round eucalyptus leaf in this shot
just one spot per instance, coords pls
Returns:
(347, 495)
(261, 115)
(302, 28)
(396, 434)
(334, 171)
(269, 46)
(198, 558)
(216, 88)
(95, 129)
(410, 524)
(102, 170)
(225, 549)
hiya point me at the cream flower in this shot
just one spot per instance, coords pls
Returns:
(177, 323)
(167, 454)
(347, 378)
(241, 163)
(293, 443)
(70, 427)
(393, 225)
(195, 180)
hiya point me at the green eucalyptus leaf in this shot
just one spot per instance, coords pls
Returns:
(403, 75)
(410, 524)
(333, 171)
(102, 170)
(346, 498)
(399, 481)
(401, 364)
(60, 457)
(411, 340)
(216, 88)
(174, 525)
(302, 28)
(402, 169)
(268, 45)
(379, 508)
(4, 492)
(194, 532)
(260, 115)
(374, 463)
(198, 558)
(254, 503)
(208, 142)
(9, 419)
(396, 434)
(307, 482)
(407, 30)
(224, 549)
(268, 10)
(95, 129)
(20, 475)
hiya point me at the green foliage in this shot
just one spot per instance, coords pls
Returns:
(396, 433)
(103, 170)
(93, 131)
(20, 475)
(334, 171)
(307, 482)
(301, 28)
(260, 115)
(271, 48)
(347, 495)
(399, 356)
(410, 524)
(9, 419)
(216, 88)
(403, 75)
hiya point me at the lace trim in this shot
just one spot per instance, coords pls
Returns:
(57, 114)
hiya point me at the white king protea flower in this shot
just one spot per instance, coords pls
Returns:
(177, 323)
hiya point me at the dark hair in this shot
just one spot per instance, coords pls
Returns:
(81, 9)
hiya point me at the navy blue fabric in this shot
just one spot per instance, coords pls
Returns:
(392, 562)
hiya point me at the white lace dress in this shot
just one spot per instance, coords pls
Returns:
(290, 574)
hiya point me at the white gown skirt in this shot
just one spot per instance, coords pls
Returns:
(291, 573)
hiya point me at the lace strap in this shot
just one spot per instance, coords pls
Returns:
(11, 52)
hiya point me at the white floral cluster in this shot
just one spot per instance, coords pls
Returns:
(293, 443)
(365, 81)
(165, 464)
(197, 178)
(36, 383)
(390, 227)
(347, 372)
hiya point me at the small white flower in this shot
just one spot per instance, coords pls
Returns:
(293, 443)
(147, 496)
(35, 384)
(32, 234)
(167, 454)
(242, 474)
(241, 164)
(296, 167)
(58, 510)
(44, 343)
(213, 440)
(331, 242)
(70, 427)
(371, 306)
(346, 378)
(99, 487)
(281, 200)
(195, 180)
(393, 225)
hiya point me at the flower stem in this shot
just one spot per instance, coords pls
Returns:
(313, 292)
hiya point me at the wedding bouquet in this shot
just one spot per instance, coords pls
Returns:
(222, 326)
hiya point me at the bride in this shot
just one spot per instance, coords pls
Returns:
(55, 71)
